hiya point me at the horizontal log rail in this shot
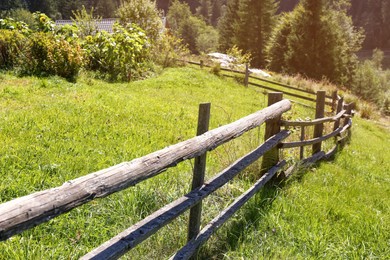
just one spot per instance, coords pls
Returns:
(315, 121)
(23, 213)
(257, 78)
(338, 131)
(131, 237)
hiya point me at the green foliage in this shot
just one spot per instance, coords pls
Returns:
(86, 22)
(144, 13)
(22, 15)
(253, 27)
(207, 40)
(226, 25)
(370, 83)
(46, 55)
(194, 31)
(168, 50)
(11, 44)
(118, 56)
(43, 23)
(11, 24)
(239, 56)
(316, 41)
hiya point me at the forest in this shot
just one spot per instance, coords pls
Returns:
(363, 12)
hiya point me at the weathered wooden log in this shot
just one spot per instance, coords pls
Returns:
(311, 141)
(128, 239)
(190, 248)
(315, 121)
(23, 213)
(318, 129)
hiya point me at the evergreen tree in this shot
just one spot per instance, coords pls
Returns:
(205, 10)
(226, 25)
(216, 12)
(253, 27)
(316, 40)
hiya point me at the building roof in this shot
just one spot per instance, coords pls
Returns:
(102, 25)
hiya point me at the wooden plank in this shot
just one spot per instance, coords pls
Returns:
(199, 171)
(190, 248)
(272, 127)
(319, 128)
(123, 242)
(28, 211)
(315, 121)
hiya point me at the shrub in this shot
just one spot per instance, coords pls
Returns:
(168, 50)
(366, 111)
(43, 23)
(369, 82)
(11, 43)
(86, 22)
(118, 56)
(11, 24)
(49, 55)
(144, 13)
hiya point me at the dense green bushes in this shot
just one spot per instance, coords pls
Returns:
(43, 49)
(119, 56)
(46, 54)
(11, 43)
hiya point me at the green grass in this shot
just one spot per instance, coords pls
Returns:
(52, 131)
(339, 210)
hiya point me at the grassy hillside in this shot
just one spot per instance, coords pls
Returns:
(52, 131)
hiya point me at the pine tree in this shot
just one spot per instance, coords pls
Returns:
(316, 40)
(253, 27)
(205, 10)
(226, 25)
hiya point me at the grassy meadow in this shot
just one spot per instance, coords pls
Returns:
(52, 131)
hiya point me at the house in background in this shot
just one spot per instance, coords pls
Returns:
(103, 24)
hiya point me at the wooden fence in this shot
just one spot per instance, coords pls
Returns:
(26, 212)
(300, 94)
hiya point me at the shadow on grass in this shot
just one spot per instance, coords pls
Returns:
(250, 215)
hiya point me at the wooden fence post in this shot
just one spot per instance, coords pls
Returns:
(201, 64)
(349, 112)
(318, 129)
(272, 127)
(199, 171)
(339, 108)
(246, 80)
(302, 148)
(334, 100)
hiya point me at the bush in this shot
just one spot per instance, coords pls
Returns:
(11, 24)
(369, 82)
(118, 56)
(11, 43)
(144, 13)
(168, 50)
(49, 55)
